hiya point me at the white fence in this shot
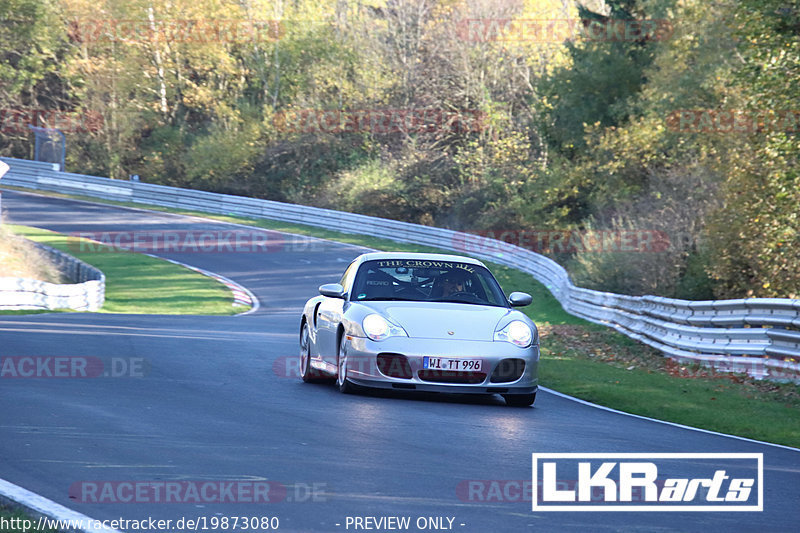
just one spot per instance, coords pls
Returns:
(759, 336)
(86, 294)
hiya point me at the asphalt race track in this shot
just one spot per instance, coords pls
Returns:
(213, 402)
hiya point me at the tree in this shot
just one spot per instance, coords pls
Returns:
(754, 237)
(32, 77)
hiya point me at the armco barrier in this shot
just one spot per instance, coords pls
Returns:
(759, 336)
(86, 294)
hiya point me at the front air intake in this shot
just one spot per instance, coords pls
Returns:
(508, 370)
(394, 365)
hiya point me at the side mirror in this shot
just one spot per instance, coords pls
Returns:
(519, 299)
(332, 290)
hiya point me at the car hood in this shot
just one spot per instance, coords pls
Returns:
(437, 320)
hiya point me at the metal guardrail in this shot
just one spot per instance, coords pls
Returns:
(86, 294)
(757, 336)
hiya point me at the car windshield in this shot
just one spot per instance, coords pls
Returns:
(419, 280)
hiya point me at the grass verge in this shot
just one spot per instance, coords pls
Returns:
(600, 365)
(137, 283)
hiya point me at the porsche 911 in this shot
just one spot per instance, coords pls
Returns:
(420, 322)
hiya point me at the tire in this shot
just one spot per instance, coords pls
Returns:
(308, 373)
(341, 368)
(519, 400)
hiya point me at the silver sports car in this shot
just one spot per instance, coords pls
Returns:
(426, 322)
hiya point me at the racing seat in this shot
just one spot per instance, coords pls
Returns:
(377, 285)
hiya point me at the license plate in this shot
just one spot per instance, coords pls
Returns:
(443, 363)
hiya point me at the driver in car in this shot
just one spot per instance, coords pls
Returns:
(452, 282)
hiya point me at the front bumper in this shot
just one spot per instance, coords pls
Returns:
(363, 368)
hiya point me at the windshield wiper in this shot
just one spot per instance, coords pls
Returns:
(456, 301)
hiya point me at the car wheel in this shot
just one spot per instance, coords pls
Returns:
(519, 400)
(308, 373)
(341, 365)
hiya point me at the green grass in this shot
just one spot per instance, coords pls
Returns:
(723, 407)
(598, 364)
(137, 283)
(612, 370)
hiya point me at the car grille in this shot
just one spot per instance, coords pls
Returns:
(508, 370)
(450, 376)
(394, 365)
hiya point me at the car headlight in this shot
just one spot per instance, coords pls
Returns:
(516, 332)
(378, 328)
